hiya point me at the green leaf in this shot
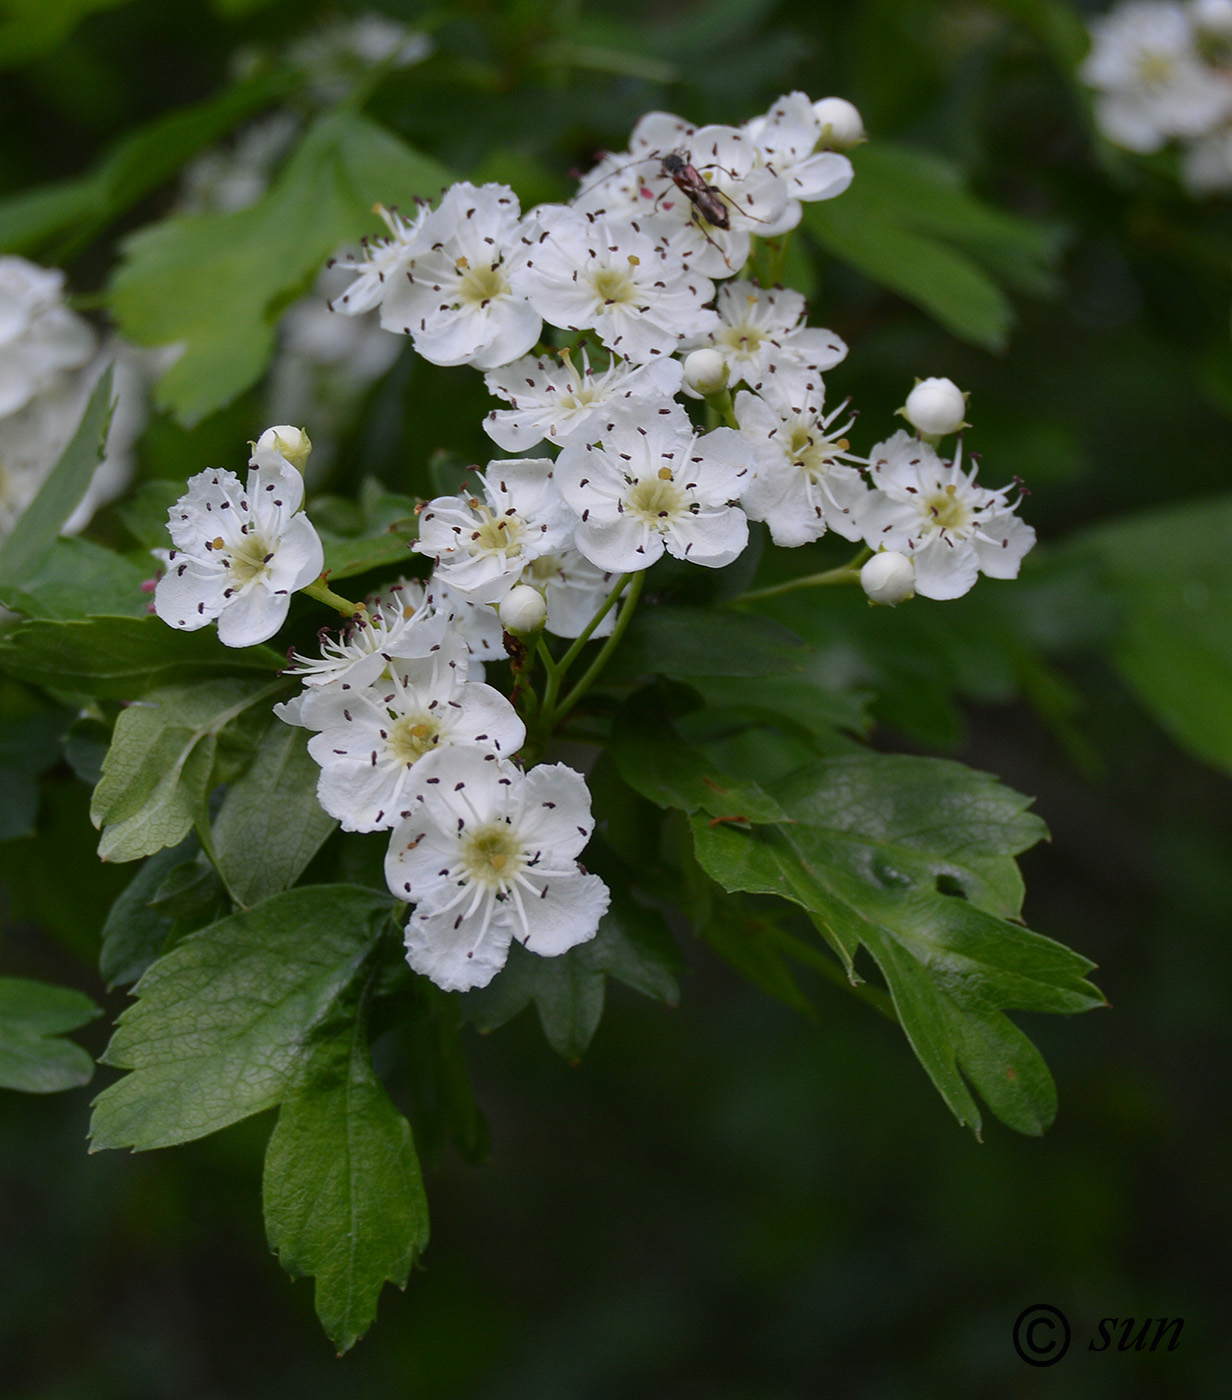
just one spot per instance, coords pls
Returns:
(157, 771)
(78, 579)
(654, 760)
(344, 1200)
(218, 282)
(703, 642)
(875, 864)
(907, 223)
(36, 531)
(32, 27)
(141, 161)
(807, 702)
(120, 658)
(225, 1023)
(270, 824)
(32, 1017)
(633, 945)
(967, 824)
(567, 994)
(136, 929)
(1172, 572)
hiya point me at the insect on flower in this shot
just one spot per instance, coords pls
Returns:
(705, 198)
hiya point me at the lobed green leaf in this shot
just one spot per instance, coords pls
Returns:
(217, 283)
(158, 769)
(33, 1017)
(270, 824)
(121, 658)
(1171, 570)
(921, 886)
(226, 1022)
(344, 1199)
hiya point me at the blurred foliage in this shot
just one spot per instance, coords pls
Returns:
(733, 1200)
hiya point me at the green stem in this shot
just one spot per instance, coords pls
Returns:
(597, 665)
(845, 573)
(551, 687)
(725, 410)
(317, 589)
(589, 630)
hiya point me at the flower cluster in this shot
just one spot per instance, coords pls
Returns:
(641, 449)
(1162, 71)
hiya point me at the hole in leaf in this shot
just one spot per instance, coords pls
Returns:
(947, 884)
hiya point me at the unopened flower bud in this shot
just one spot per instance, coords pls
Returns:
(841, 123)
(291, 443)
(706, 372)
(888, 578)
(1213, 17)
(523, 611)
(935, 407)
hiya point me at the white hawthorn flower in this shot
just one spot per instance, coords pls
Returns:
(1151, 83)
(476, 623)
(762, 333)
(240, 552)
(489, 854)
(786, 140)
(658, 486)
(751, 194)
(396, 626)
(482, 545)
(574, 590)
(40, 338)
(371, 737)
(934, 512)
(460, 296)
(936, 407)
(619, 187)
(559, 401)
(584, 273)
(384, 262)
(802, 482)
(888, 578)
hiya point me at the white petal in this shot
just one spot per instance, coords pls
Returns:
(455, 952)
(564, 912)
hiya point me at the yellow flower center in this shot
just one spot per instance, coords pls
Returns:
(480, 285)
(612, 285)
(250, 559)
(947, 510)
(498, 534)
(656, 500)
(492, 855)
(1155, 69)
(411, 736)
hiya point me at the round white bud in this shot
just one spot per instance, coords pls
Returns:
(523, 611)
(935, 407)
(888, 578)
(291, 443)
(706, 372)
(842, 125)
(1213, 17)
